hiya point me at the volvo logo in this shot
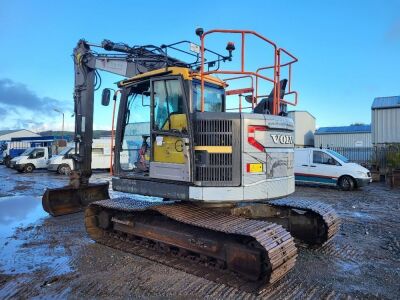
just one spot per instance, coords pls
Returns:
(282, 139)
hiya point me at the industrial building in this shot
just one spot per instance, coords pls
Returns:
(343, 136)
(7, 135)
(304, 128)
(385, 120)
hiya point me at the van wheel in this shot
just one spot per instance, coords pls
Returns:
(346, 183)
(64, 169)
(29, 168)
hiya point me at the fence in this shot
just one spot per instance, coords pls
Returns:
(373, 158)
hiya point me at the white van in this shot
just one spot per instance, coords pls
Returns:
(31, 159)
(101, 153)
(327, 167)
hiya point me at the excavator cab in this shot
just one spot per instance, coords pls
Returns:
(156, 131)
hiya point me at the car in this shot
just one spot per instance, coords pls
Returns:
(31, 159)
(327, 167)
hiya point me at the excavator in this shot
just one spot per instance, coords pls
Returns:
(216, 178)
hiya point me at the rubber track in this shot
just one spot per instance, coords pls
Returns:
(278, 243)
(328, 214)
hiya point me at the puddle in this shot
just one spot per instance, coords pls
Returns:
(19, 211)
(18, 217)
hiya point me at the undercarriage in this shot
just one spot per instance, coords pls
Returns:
(244, 253)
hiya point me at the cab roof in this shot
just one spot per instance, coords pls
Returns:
(186, 73)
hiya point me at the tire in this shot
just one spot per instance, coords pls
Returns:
(64, 169)
(29, 168)
(346, 183)
(7, 162)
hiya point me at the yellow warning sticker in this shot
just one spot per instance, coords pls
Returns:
(254, 168)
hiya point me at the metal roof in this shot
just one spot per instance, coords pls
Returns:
(386, 102)
(344, 129)
(4, 132)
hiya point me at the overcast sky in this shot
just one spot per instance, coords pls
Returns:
(349, 51)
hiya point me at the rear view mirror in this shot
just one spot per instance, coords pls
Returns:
(105, 97)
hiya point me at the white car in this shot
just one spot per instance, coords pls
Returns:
(101, 155)
(61, 163)
(327, 167)
(31, 159)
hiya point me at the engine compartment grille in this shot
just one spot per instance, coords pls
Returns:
(217, 129)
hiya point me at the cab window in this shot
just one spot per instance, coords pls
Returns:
(213, 97)
(168, 101)
(320, 157)
(38, 154)
(136, 124)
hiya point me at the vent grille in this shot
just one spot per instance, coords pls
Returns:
(216, 169)
(214, 132)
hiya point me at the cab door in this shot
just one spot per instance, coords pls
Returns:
(40, 158)
(170, 130)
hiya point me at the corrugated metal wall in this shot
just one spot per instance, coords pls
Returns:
(385, 125)
(343, 140)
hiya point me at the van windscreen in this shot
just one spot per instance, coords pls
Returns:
(338, 155)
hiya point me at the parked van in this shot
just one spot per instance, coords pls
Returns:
(31, 159)
(101, 152)
(327, 167)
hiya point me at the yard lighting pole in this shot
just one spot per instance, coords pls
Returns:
(62, 131)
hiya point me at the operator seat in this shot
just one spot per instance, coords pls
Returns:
(266, 104)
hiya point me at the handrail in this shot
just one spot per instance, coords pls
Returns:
(247, 73)
(252, 87)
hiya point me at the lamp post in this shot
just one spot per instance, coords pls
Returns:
(62, 131)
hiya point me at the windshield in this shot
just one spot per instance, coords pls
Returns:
(136, 127)
(213, 97)
(65, 150)
(339, 156)
(27, 152)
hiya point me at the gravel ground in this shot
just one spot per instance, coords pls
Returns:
(47, 257)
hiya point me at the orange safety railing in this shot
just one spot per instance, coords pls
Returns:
(241, 91)
(243, 73)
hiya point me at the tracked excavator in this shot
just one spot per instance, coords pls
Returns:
(221, 175)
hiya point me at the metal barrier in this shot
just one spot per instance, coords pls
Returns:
(373, 158)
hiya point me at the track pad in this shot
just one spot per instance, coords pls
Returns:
(68, 200)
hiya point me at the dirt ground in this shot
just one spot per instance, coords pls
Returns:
(45, 257)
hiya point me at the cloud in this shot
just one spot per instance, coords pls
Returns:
(23, 108)
(15, 94)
